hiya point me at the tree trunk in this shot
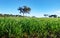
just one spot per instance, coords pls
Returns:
(23, 14)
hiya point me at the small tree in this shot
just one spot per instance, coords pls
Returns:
(55, 16)
(24, 9)
(45, 15)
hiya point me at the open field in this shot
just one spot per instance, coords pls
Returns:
(19, 27)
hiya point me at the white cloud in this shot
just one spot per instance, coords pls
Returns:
(41, 14)
(54, 12)
(57, 12)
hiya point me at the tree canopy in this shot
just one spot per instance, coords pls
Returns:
(24, 9)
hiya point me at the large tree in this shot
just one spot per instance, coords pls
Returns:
(24, 9)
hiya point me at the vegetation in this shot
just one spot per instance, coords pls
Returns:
(24, 9)
(55, 16)
(9, 15)
(45, 15)
(18, 27)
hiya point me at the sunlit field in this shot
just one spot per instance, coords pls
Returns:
(26, 27)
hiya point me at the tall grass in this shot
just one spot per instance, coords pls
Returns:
(30, 27)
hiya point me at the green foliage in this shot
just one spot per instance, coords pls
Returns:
(24, 9)
(30, 27)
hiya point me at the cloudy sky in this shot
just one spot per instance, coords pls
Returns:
(38, 7)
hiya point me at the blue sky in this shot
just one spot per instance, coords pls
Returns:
(38, 7)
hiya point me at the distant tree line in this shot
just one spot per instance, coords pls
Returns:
(51, 16)
(55, 16)
(8, 15)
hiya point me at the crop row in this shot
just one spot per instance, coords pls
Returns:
(30, 28)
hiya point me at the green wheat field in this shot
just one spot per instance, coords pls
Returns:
(26, 27)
